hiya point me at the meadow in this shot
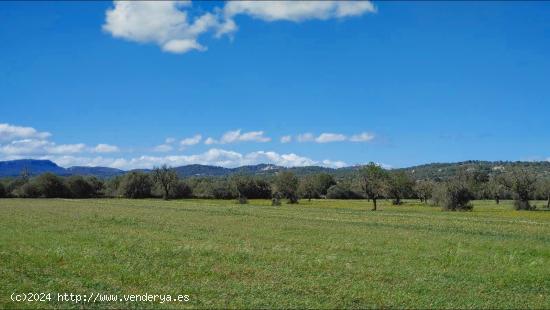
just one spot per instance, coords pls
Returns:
(318, 254)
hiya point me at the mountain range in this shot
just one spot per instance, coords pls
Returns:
(14, 168)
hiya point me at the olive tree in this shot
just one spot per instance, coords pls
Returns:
(495, 188)
(453, 195)
(543, 189)
(400, 185)
(166, 178)
(80, 188)
(423, 190)
(522, 184)
(51, 186)
(286, 183)
(323, 182)
(374, 182)
(136, 185)
(309, 188)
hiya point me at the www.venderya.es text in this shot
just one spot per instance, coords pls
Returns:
(94, 297)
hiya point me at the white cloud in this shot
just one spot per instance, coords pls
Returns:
(235, 136)
(65, 148)
(334, 164)
(286, 139)
(297, 11)
(305, 137)
(39, 147)
(216, 157)
(210, 141)
(167, 23)
(334, 137)
(105, 148)
(196, 139)
(10, 132)
(166, 146)
(330, 137)
(163, 148)
(362, 137)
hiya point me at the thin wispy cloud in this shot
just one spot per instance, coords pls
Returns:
(286, 139)
(105, 148)
(235, 136)
(328, 137)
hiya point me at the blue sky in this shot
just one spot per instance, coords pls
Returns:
(397, 83)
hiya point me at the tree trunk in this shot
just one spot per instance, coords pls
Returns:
(374, 204)
(548, 203)
(497, 199)
(166, 192)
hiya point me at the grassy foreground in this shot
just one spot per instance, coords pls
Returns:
(317, 254)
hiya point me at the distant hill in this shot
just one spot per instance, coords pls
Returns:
(32, 166)
(14, 168)
(432, 171)
(104, 172)
(447, 170)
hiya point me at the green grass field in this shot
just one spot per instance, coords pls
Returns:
(319, 254)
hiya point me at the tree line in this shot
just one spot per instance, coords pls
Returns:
(370, 182)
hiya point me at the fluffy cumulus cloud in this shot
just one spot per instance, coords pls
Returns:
(297, 11)
(216, 157)
(333, 137)
(165, 23)
(235, 136)
(19, 142)
(169, 144)
(196, 139)
(10, 132)
(169, 25)
(26, 142)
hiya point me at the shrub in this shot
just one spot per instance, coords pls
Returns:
(223, 189)
(342, 191)
(242, 200)
(2, 191)
(276, 200)
(182, 190)
(136, 185)
(80, 188)
(453, 195)
(111, 188)
(251, 188)
(324, 182)
(28, 190)
(51, 186)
